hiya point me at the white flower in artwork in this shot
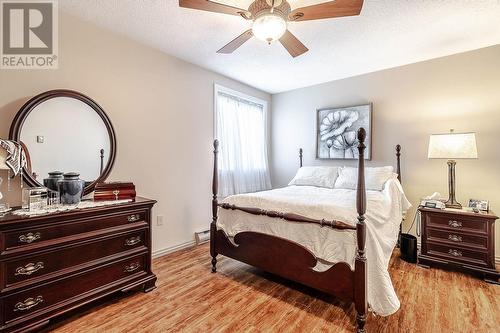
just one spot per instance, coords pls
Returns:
(334, 131)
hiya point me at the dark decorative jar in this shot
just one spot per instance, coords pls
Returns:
(71, 188)
(54, 178)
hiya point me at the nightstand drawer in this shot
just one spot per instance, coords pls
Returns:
(454, 238)
(457, 253)
(454, 222)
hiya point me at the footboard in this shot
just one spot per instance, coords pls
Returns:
(291, 260)
(288, 259)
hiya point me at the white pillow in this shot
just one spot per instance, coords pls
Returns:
(319, 176)
(375, 178)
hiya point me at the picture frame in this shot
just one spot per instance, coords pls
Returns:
(336, 132)
(483, 205)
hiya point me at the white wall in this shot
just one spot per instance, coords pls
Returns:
(162, 111)
(409, 103)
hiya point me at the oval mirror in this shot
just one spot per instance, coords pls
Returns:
(64, 130)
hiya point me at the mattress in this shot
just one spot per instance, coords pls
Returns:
(384, 213)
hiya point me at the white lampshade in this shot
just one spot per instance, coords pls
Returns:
(452, 145)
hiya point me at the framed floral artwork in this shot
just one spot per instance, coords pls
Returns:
(336, 132)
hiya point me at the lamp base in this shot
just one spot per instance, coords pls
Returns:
(453, 204)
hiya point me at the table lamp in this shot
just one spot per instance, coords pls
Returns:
(452, 146)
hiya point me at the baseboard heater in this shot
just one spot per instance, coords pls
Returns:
(202, 236)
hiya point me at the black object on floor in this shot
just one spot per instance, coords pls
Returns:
(409, 248)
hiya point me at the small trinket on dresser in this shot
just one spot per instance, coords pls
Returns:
(482, 205)
(34, 198)
(114, 191)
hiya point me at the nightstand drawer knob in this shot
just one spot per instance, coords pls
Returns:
(455, 224)
(455, 253)
(455, 238)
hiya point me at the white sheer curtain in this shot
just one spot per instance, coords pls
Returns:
(241, 130)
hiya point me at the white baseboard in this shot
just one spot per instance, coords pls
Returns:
(168, 250)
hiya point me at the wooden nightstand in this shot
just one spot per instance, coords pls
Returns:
(458, 238)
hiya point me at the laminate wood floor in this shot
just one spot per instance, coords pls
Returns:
(239, 298)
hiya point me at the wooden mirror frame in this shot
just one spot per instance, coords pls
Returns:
(25, 110)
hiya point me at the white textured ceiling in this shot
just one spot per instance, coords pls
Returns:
(388, 33)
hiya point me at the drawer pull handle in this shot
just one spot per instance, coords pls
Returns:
(455, 238)
(28, 303)
(455, 224)
(132, 267)
(30, 237)
(133, 218)
(29, 268)
(133, 241)
(455, 253)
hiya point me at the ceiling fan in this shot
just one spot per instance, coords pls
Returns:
(270, 19)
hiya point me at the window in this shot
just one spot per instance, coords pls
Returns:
(240, 126)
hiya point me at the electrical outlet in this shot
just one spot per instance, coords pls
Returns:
(159, 220)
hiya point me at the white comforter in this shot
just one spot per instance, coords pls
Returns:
(383, 216)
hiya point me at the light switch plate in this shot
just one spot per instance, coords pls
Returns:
(159, 220)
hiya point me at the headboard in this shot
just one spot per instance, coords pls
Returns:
(398, 160)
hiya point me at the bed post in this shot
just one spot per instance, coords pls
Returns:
(300, 156)
(398, 159)
(360, 280)
(398, 171)
(213, 225)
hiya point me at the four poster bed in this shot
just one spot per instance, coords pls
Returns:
(289, 259)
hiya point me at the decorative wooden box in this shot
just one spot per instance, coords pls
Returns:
(114, 191)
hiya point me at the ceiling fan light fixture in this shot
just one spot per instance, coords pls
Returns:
(269, 27)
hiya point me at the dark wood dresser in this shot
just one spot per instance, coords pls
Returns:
(54, 263)
(461, 239)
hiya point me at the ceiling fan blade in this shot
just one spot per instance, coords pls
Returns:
(237, 42)
(212, 6)
(292, 44)
(337, 8)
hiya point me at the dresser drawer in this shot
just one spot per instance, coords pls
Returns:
(43, 299)
(457, 253)
(457, 238)
(37, 235)
(66, 258)
(457, 223)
